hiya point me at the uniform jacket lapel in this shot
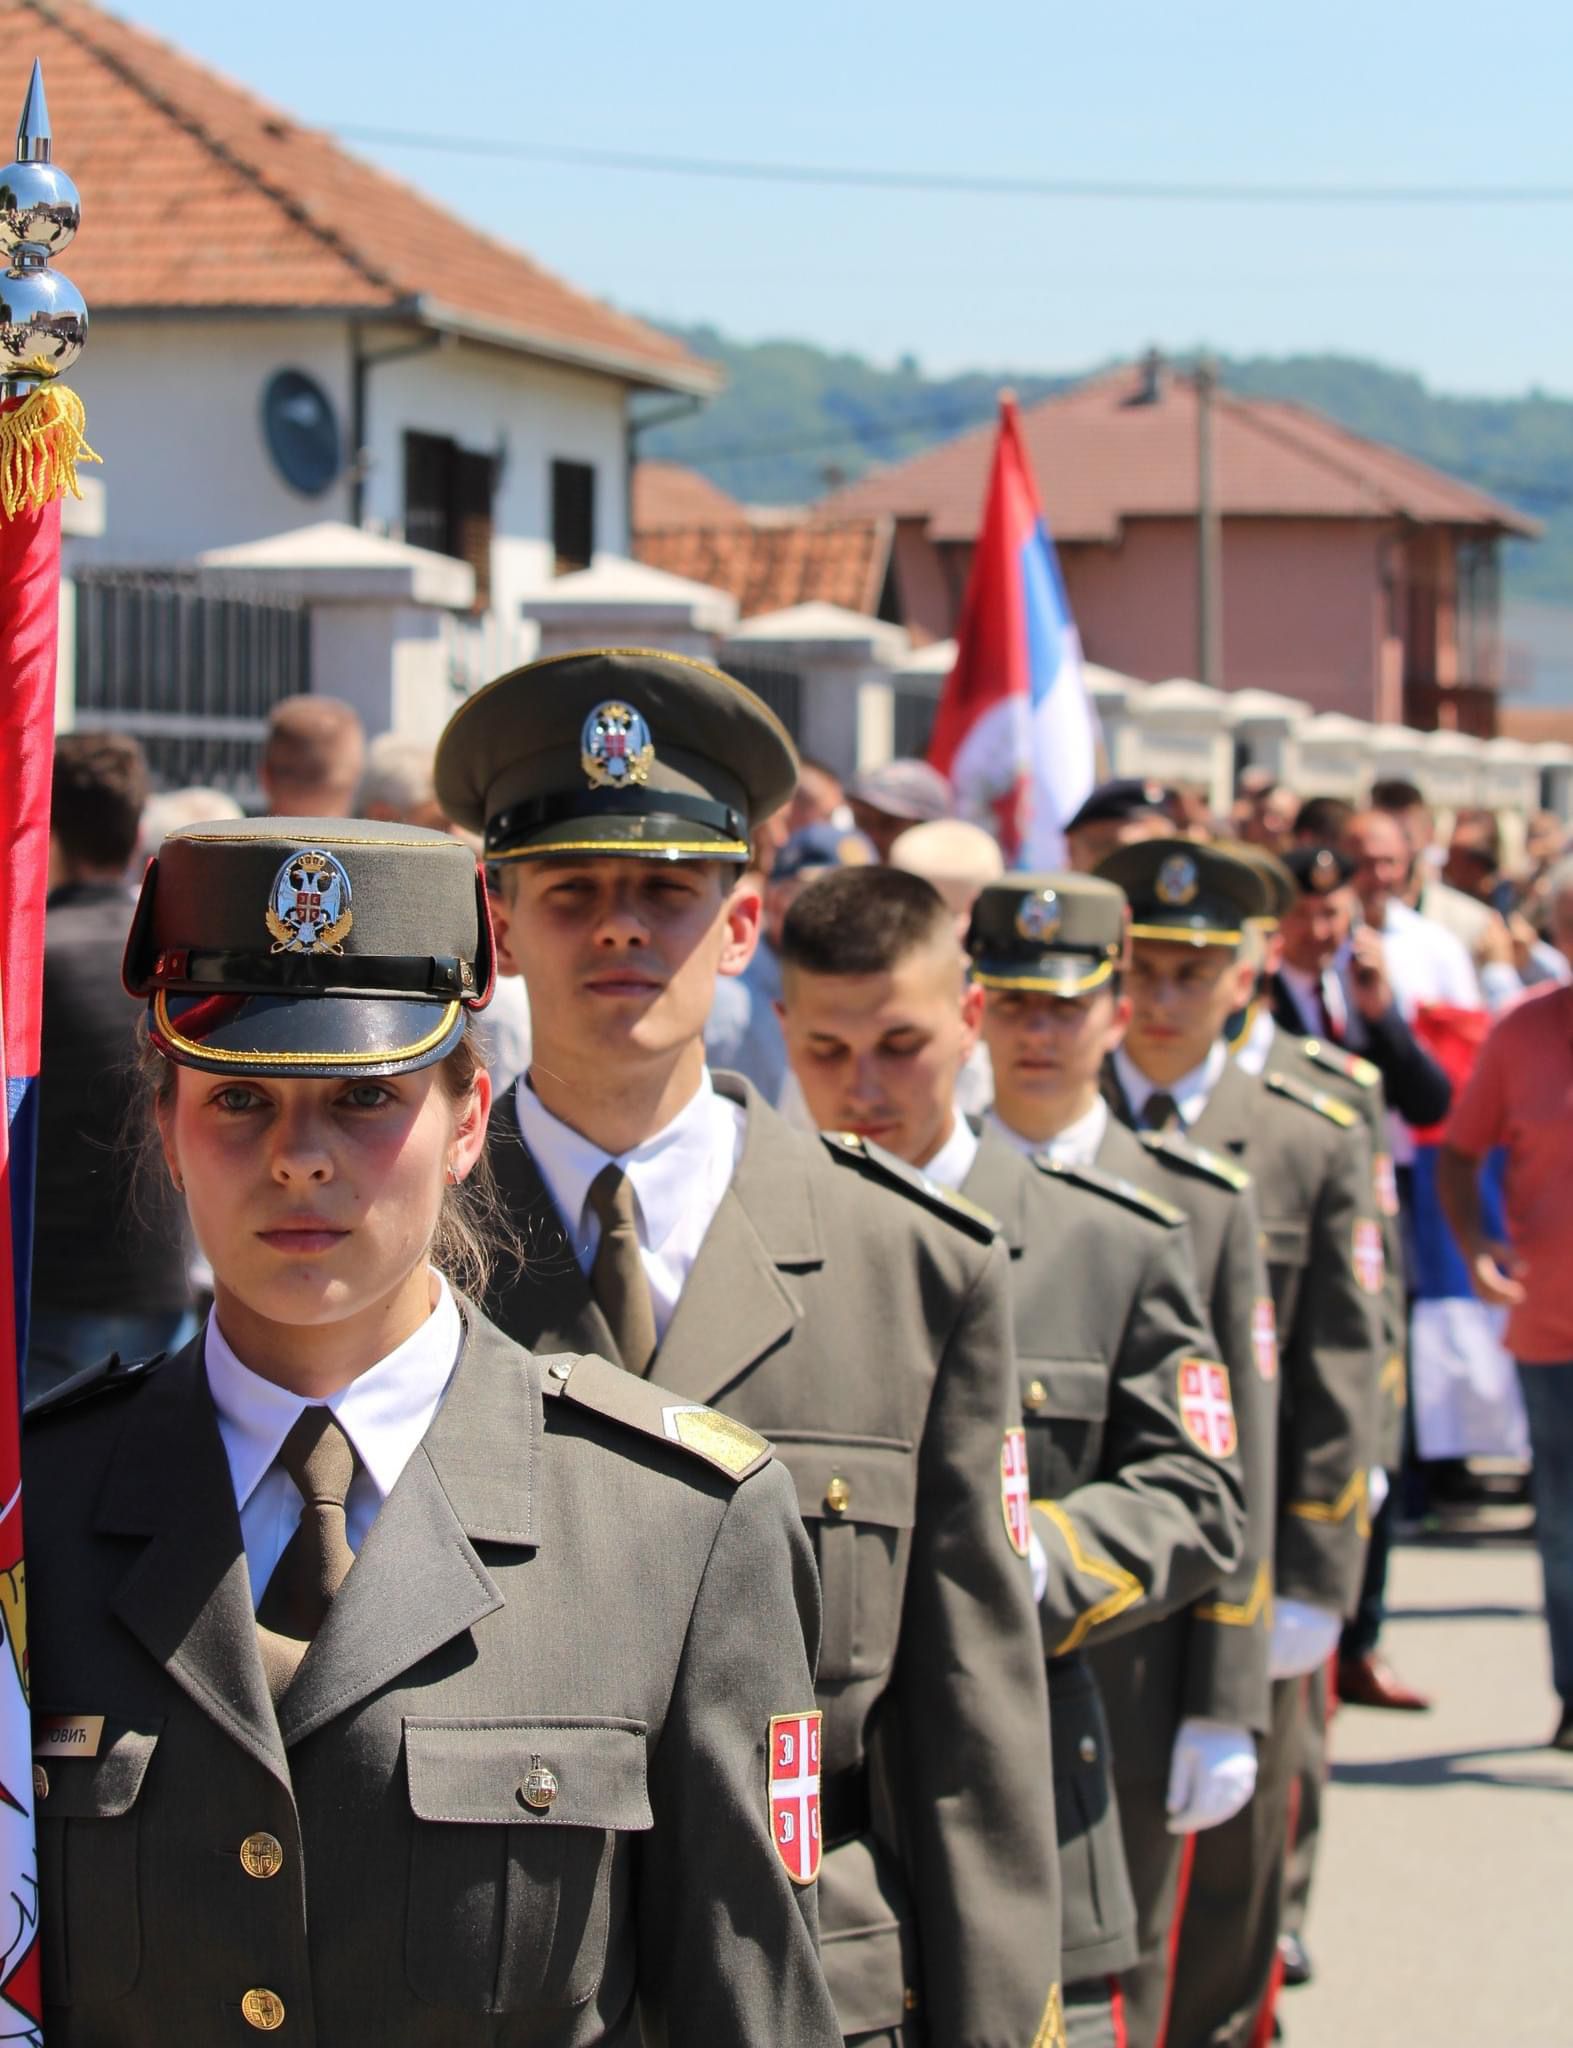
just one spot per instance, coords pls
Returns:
(996, 1183)
(187, 1597)
(739, 1302)
(552, 1291)
(1225, 1122)
(417, 1581)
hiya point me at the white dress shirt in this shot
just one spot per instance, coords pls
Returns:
(680, 1178)
(1425, 962)
(384, 1413)
(953, 1161)
(1306, 989)
(1253, 1045)
(1076, 1145)
(1190, 1092)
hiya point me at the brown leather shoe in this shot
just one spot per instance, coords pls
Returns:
(1370, 1681)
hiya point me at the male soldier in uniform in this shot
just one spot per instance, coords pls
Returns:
(1129, 1437)
(1194, 963)
(1186, 1698)
(815, 1289)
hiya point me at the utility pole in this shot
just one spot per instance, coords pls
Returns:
(1209, 536)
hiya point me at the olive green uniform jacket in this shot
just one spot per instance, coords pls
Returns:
(547, 1587)
(861, 1321)
(1135, 1514)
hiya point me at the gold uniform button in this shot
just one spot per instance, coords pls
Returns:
(1087, 1750)
(1036, 1396)
(838, 1496)
(539, 1787)
(40, 1782)
(262, 2009)
(909, 1998)
(261, 1855)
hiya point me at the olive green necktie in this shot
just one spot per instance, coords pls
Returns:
(321, 1460)
(617, 1276)
(1163, 1112)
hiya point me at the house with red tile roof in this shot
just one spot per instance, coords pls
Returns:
(1354, 577)
(285, 337)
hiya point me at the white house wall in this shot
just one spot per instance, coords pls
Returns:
(175, 409)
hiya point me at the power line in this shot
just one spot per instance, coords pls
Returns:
(857, 178)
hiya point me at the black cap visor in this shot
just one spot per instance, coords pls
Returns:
(306, 1037)
(1050, 974)
(643, 824)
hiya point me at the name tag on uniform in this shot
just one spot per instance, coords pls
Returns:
(68, 1734)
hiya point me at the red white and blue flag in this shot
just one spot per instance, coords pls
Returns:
(29, 614)
(1015, 731)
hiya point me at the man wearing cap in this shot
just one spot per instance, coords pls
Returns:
(1128, 1451)
(886, 801)
(1185, 1698)
(813, 1288)
(1117, 813)
(1195, 961)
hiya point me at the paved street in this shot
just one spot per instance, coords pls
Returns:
(1441, 1914)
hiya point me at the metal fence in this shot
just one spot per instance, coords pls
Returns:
(191, 665)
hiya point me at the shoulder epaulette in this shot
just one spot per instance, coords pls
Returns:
(116, 1375)
(1196, 1159)
(1337, 1061)
(1329, 1106)
(881, 1165)
(1154, 1207)
(726, 1446)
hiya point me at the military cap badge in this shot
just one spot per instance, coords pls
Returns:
(309, 910)
(1323, 875)
(615, 748)
(1177, 881)
(1038, 918)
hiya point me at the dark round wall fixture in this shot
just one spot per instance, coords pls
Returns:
(302, 431)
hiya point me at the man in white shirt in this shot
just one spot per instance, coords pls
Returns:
(810, 1288)
(1426, 963)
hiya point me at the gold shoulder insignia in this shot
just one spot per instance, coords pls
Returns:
(1115, 1190)
(1196, 1159)
(726, 1445)
(116, 1375)
(1312, 1098)
(1337, 1061)
(850, 1150)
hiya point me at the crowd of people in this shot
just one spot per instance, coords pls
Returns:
(1043, 1237)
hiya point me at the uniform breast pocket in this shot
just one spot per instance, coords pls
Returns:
(857, 1498)
(1065, 1406)
(519, 1863)
(89, 1903)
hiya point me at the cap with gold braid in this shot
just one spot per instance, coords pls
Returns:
(1053, 934)
(1182, 890)
(615, 750)
(312, 947)
(1277, 881)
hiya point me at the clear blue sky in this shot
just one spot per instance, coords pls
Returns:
(1477, 298)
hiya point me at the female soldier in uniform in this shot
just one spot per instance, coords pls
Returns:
(393, 1685)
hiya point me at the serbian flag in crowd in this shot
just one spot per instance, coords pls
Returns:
(1015, 731)
(1467, 1402)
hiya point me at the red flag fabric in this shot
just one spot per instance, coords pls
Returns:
(29, 626)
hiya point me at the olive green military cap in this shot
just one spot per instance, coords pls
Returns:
(1182, 890)
(615, 750)
(310, 947)
(1280, 886)
(1061, 934)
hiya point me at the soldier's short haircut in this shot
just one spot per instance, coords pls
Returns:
(314, 742)
(862, 921)
(1322, 820)
(97, 794)
(1393, 793)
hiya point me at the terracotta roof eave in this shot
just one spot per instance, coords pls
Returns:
(702, 378)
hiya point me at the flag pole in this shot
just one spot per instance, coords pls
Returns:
(43, 329)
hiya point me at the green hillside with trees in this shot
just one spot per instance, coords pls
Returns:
(795, 420)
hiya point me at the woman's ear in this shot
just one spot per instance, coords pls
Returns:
(469, 1132)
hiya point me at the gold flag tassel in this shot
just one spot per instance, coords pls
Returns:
(41, 443)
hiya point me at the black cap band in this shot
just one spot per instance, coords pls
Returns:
(273, 974)
(521, 821)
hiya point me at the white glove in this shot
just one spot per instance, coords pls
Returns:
(1212, 1775)
(1380, 1486)
(1038, 1559)
(1304, 1636)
